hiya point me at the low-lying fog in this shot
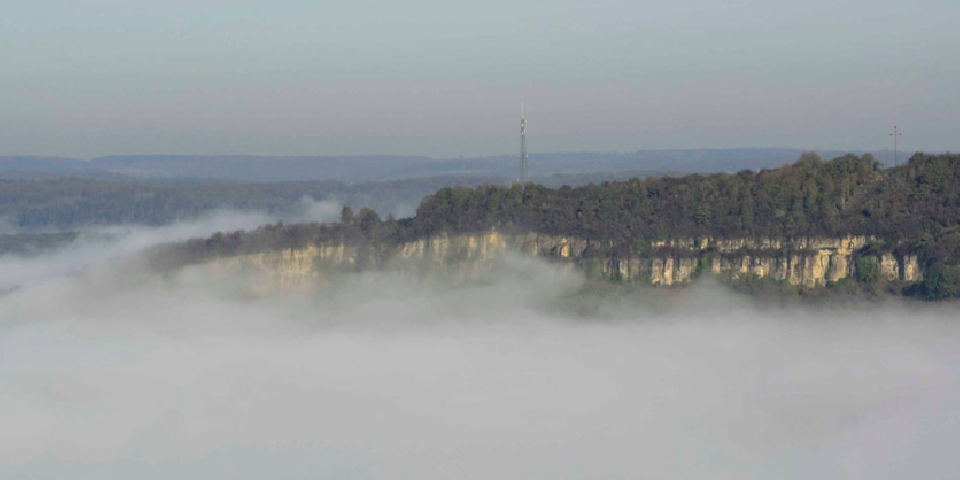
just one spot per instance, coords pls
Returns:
(107, 372)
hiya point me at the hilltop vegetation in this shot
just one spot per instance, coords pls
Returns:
(848, 195)
(913, 208)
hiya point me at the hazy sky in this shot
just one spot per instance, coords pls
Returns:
(97, 77)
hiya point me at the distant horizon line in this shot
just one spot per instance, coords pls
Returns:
(465, 157)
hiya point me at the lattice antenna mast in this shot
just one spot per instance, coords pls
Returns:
(523, 146)
(896, 146)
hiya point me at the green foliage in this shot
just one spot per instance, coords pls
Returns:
(910, 208)
(764, 287)
(704, 264)
(941, 281)
(847, 195)
(369, 222)
(618, 277)
(642, 244)
(346, 215)
(592, 268)
(867, 269)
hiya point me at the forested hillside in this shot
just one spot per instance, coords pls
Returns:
(914, 207)
(848, 195)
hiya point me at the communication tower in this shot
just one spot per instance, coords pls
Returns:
(896, 146)
(523, 146)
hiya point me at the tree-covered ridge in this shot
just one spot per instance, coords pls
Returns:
(917, 204)
(912, 209)
(847, 195)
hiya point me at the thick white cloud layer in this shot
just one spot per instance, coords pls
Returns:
(111, 373)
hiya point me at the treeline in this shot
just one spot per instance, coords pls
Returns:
(911, 209)
(914, 208)
(848, 195)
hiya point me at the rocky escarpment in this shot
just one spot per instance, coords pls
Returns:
(808, 262)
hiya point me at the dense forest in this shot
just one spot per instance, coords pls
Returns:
(915, 207)
(848, 195)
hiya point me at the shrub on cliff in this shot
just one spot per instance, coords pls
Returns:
(941, 282)
(867, 270)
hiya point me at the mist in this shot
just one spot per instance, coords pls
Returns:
(108, 370)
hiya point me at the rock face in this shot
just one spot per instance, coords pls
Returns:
(810, 262)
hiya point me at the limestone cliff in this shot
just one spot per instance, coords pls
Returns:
(810, 262)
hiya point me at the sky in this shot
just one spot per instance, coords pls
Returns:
(86, 78)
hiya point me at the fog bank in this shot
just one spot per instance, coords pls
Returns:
(107, 371)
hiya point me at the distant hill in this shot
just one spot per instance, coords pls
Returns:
(247, 168)
(64, 193)
(67, 203)
(271, 169)
(383, 167)
(845, 225)
(44, 164)
(43, 168)
(90, 175)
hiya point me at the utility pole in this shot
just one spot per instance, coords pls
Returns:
(896, 138)
(523, 146)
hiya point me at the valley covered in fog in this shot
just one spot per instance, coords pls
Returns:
(492, 240)
(109, 370)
